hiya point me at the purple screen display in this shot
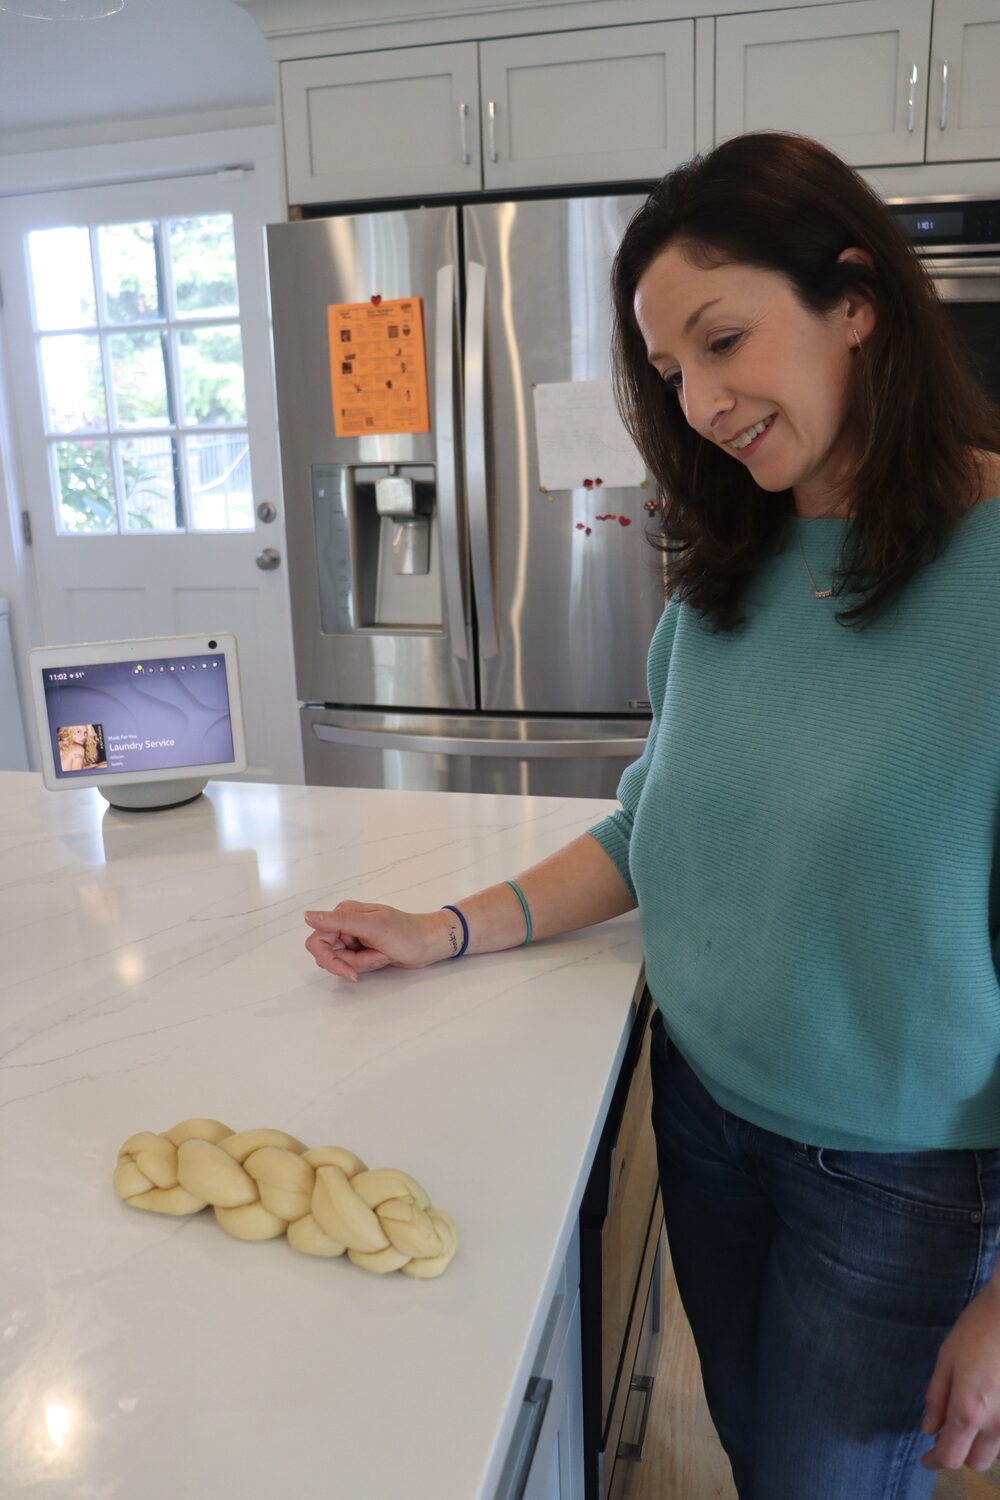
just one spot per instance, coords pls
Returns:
(156, 715)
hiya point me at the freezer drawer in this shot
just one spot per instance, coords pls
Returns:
(431, 753)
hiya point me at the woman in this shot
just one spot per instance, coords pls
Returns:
(811, 831)
(79, 748)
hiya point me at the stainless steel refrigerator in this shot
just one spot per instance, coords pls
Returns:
(458, 626)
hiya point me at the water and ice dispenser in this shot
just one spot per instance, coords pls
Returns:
(377, 546)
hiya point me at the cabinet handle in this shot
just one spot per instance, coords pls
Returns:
(536, 1400)
(642, 1385)
(463, 132)
(911, 102)
(943, 120)
(491, 123)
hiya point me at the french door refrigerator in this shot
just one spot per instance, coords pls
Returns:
(458, 625)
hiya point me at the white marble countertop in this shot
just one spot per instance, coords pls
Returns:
(153, 969)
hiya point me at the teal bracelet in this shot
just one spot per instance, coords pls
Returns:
(524, 907)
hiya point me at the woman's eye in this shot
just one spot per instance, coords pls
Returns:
(725, 343)
(674, 380)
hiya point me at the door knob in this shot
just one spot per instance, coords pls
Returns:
(268, 560)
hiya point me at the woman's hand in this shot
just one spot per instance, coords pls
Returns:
(353, 938)
(963, 1398)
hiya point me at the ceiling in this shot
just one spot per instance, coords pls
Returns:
(155, 58)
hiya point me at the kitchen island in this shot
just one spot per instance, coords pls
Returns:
(153, 970)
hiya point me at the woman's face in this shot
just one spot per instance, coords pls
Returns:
(755, 372)
(78, 734)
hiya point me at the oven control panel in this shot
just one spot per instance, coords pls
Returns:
(956, 223)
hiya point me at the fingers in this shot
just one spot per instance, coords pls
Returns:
(936, 1404)
(967, 1434)
(983, 1452)
(345, 957)
(961, 1442)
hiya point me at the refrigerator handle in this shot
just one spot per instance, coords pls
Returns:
(452, 744)
(475, 455)
(447, 497)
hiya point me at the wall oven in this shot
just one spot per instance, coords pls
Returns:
(958, 239)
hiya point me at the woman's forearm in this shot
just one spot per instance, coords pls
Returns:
(575, 887)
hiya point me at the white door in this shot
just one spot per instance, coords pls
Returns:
(136, 322)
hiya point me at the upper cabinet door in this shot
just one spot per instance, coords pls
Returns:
(853, 76)
(608, 105)
(382, 124)
(963, 121)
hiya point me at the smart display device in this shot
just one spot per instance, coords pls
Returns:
(147, 722)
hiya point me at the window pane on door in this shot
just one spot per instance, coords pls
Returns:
(139, 347)
(62, 278)
(218, 468)
(130, 272)
(139, 379)
(212, 374)
(74, 382)
(86, 490)
(149, 472)
(203, 261)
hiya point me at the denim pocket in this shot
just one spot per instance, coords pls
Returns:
(943, 1187)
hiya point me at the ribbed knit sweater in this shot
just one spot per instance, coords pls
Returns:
(812, 838)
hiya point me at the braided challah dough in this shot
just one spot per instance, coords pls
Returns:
(263, 1183)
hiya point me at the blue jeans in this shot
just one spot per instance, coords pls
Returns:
(819, 1286)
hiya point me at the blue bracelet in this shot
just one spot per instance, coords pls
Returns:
(524, 907)
(465, 930)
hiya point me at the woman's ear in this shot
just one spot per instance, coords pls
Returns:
(859, 309)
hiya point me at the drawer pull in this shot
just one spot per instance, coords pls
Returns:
(642, 1385)
(536, 1400)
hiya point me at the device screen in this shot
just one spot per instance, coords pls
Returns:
(150, 715)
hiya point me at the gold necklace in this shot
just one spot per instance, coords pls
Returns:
(817, 593)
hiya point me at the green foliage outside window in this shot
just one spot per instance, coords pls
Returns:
(208, 369)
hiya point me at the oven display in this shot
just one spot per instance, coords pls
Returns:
(933, 224)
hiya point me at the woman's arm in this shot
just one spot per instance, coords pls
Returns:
(575, 887)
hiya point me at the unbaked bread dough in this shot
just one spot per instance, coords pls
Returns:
(264, 1183)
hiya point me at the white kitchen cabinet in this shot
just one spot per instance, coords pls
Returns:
(853, 76)
(545, 1458)
(963, 117)
(604, 105)
(391, 124)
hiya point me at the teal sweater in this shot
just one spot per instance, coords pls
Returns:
(812, 838)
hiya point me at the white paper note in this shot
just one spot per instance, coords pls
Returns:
(580, 436)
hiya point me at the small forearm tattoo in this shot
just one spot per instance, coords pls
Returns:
(453, 939)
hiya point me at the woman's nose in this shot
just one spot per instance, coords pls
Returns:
(705, 402)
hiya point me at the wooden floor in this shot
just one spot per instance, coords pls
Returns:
(683, 1459)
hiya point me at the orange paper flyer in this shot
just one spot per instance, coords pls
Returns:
(378, 367)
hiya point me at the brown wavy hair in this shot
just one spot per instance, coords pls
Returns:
(784, 203)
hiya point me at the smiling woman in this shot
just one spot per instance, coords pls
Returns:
(767, 284)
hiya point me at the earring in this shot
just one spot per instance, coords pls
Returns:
(857, 338)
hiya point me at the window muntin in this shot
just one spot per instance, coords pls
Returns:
(141, 363)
